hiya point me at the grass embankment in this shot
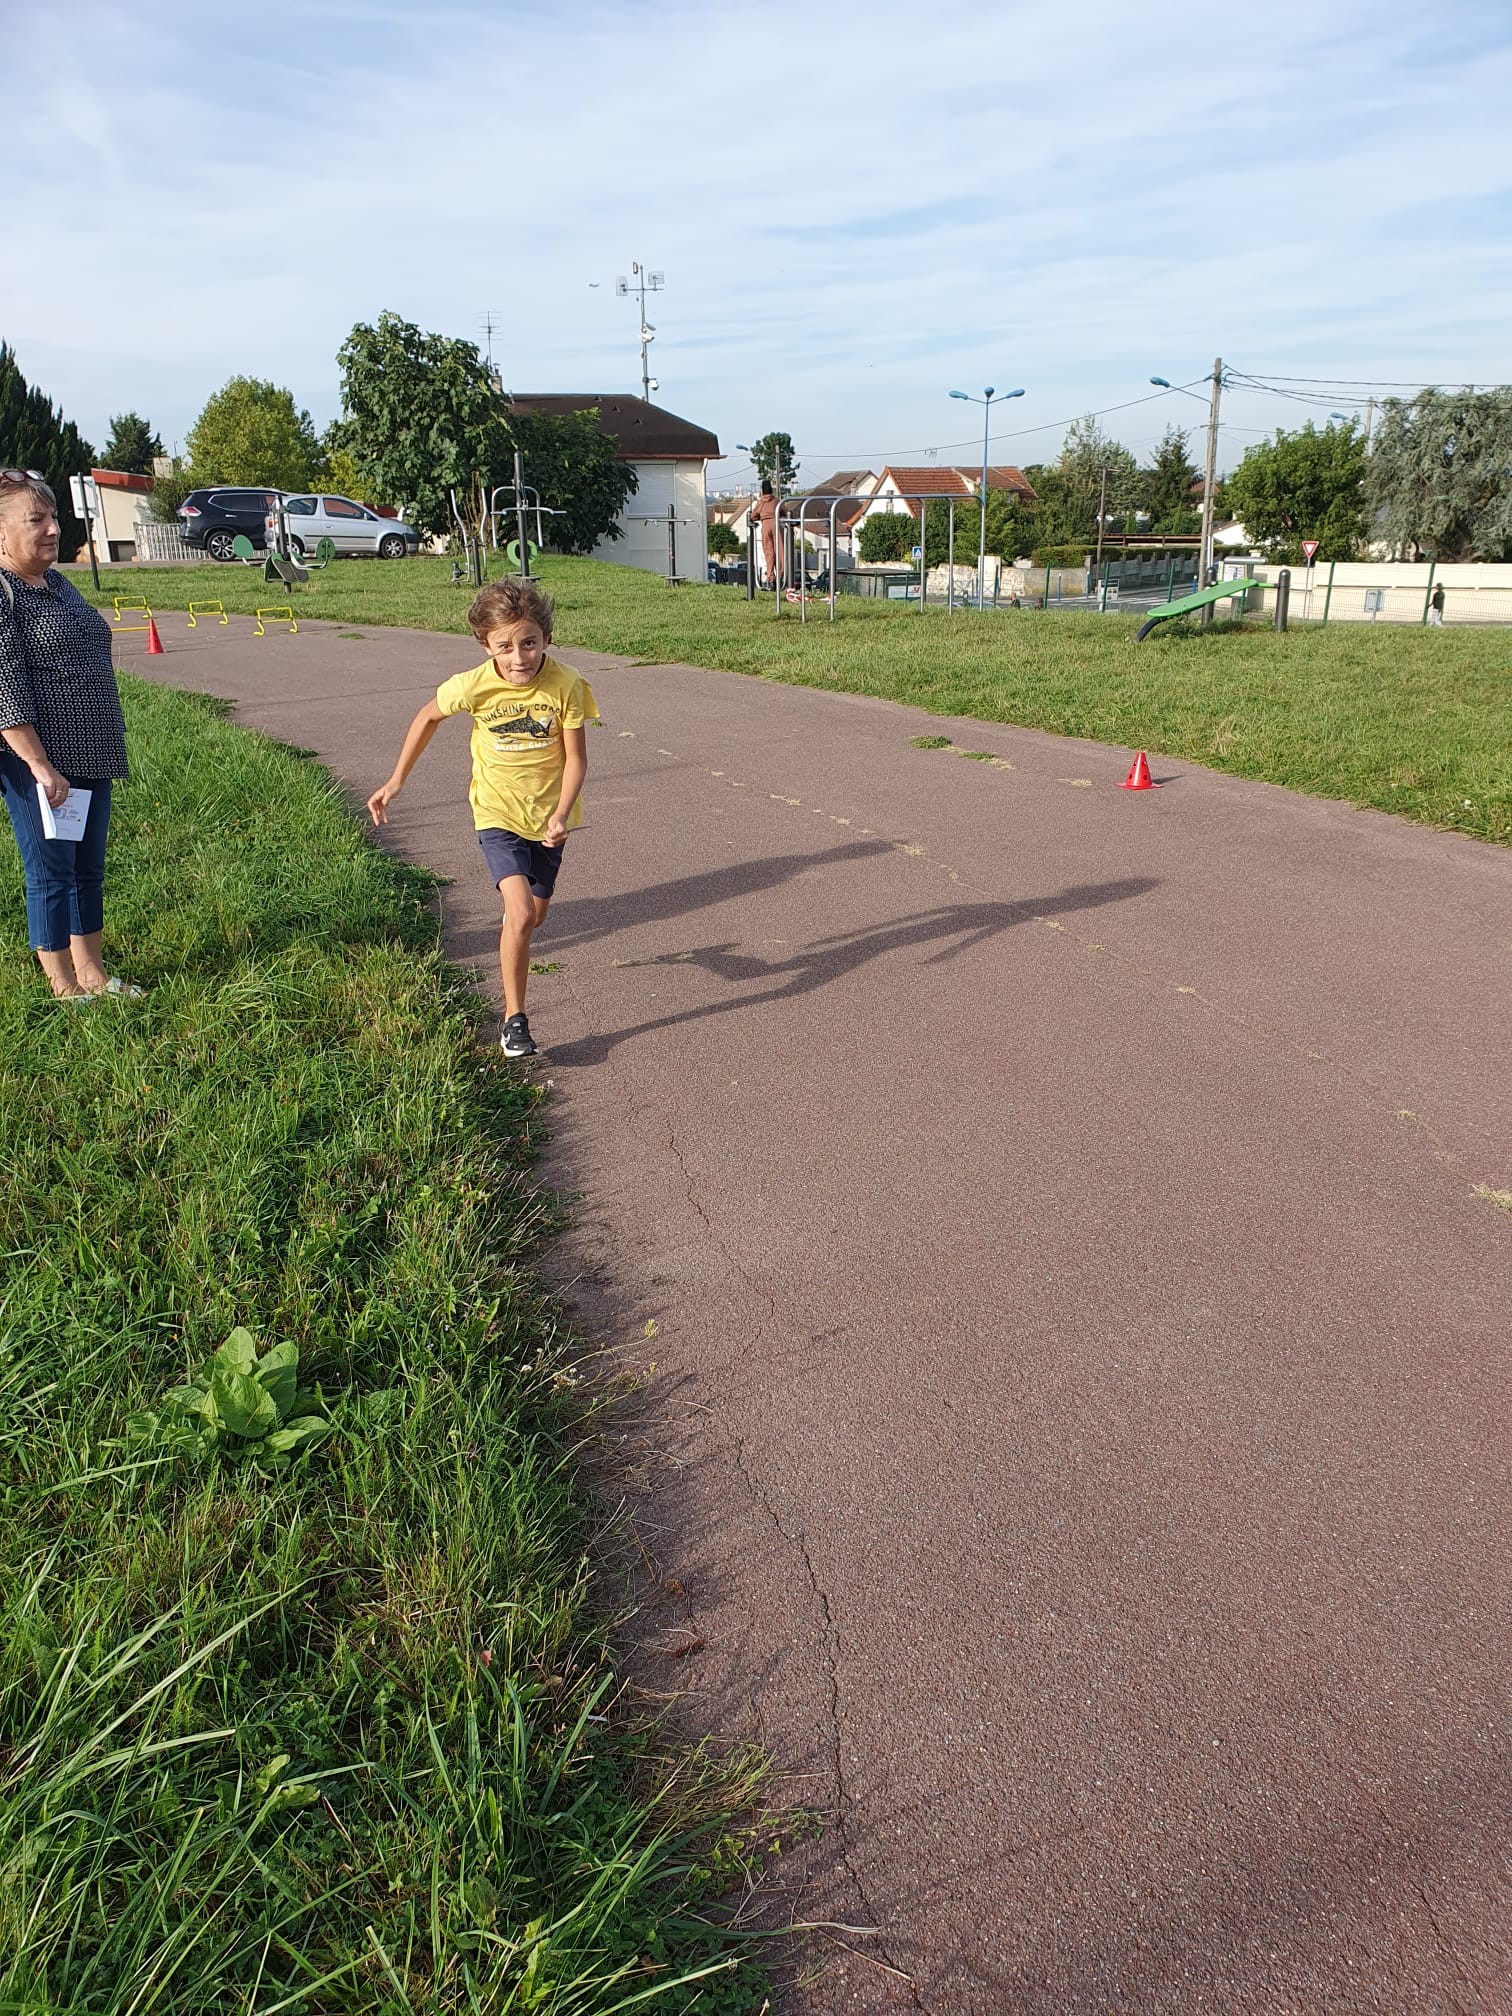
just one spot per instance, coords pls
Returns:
(1408, 720)
(330, 1736)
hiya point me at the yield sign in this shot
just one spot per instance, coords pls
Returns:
(1309, 547)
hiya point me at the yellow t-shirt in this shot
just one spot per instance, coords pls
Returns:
(518, 749)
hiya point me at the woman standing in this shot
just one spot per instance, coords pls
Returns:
(60, 726)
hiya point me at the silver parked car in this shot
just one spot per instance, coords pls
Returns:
(351, 528)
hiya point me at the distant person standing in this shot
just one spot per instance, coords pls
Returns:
(764, 511)
(1436, 608)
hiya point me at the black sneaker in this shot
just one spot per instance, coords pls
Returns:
(515, 1040)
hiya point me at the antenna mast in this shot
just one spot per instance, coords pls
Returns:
(643, 283)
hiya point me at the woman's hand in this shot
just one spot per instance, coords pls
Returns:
(55, 786)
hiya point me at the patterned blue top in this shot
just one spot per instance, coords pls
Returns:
(56, 676)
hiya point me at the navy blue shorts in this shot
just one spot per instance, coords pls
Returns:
(509, 854)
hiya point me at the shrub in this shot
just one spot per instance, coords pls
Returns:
(887, 536)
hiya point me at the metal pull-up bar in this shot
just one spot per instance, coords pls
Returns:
(922, 498)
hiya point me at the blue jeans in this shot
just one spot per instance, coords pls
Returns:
(65, 879)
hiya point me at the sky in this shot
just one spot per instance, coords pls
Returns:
(858, 208)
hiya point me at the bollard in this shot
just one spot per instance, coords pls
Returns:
(1283, 597)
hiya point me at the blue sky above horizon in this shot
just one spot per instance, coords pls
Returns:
(855, 211)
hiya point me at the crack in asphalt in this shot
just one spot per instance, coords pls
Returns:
(758, 1294)
(798, 1544)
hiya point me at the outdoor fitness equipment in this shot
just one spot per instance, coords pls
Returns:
(919, 497)
(523, 501)
(472, 550)
(280, 567)
(1203, 599)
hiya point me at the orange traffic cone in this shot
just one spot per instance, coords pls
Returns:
(154, 642)
(1139, 778)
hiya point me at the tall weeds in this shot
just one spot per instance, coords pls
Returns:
(336, 1734)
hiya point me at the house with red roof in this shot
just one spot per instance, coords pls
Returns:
(930, 480)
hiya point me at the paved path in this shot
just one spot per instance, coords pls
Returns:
(1079, 1445)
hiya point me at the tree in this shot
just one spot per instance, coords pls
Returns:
(1085, 454)
(1308, 485)
(169, 492)
(1166, 486)
(775, 461)
(722, 541)
(250, 432)
(1062, 514)
(421, 418)
(574, 468)
(1439, 476)
(34, 435)
(1010, 528)
(132, 445)
(887, 535)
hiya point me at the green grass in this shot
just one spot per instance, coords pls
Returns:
(1412, 721)
(341, 1736)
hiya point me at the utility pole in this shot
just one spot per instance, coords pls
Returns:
(1102, 506)
(1206, 559)
(643, 283)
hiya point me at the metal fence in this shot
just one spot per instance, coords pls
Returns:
(1361, 592)
(158, 542)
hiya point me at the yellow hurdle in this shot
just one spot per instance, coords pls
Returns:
(281, 615)
(207, 609)
(132, 602)
(132, 609)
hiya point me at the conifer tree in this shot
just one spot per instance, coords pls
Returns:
(34, 435)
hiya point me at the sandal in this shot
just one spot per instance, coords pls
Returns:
(125, 988)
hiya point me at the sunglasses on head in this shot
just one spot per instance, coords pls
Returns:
(22, 476)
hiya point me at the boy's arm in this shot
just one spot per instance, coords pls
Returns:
(421, 729)
(574, 770)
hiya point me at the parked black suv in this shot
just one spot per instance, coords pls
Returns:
(212, 518)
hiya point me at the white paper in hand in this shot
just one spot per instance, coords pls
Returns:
(65, 821)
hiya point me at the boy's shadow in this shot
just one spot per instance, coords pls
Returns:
(952, 929)
(579, 920)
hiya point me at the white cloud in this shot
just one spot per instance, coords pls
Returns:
(854, 211)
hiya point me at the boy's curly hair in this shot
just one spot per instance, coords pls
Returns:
(510, 601)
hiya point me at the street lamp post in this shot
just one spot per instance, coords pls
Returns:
(1369, 419)
(985, 402)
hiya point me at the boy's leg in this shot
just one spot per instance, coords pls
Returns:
(524, 912)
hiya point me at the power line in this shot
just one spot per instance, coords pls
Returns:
(1410, 384)
(1018, 434)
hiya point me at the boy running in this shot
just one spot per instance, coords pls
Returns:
(529, 759)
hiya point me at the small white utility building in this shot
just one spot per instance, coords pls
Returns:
(670, 457)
